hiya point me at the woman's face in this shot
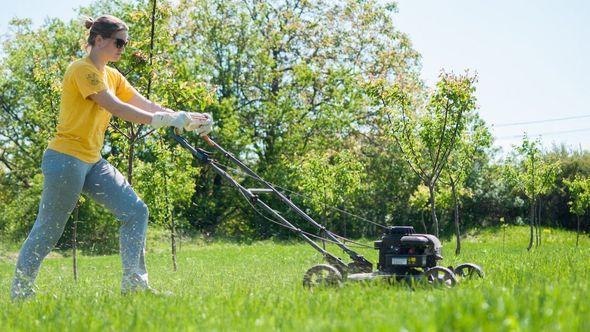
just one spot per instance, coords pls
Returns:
(112, 48)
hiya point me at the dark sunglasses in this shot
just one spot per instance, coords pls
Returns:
(120, 43)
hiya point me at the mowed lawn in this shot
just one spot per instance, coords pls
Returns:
(229, 287)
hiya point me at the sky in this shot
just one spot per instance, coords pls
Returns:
(531, 57)
(38, 10)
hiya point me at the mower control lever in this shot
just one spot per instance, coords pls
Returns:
(259, 190)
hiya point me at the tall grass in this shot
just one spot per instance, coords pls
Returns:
(228, 287)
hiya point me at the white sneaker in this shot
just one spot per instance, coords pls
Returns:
(22, 288)
(135, 284)
(22, 295)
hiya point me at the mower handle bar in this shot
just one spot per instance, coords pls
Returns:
(203, 156)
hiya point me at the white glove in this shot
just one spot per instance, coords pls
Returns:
(201, 123)
(179, 120)
(204, 130)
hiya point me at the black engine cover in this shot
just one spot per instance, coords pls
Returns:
(401, 249)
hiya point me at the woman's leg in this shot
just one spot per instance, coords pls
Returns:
(107, 186)
(63, 180)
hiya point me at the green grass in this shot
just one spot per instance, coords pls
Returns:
(228, 287)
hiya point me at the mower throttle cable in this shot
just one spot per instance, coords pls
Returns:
(356, 244)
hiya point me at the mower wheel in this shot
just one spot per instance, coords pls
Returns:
(469, 271)
(439, 276)
(322, 275)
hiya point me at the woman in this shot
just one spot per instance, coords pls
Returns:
(92, 93)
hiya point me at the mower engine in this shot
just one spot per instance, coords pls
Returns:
(401, 250)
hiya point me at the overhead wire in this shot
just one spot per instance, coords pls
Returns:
(537, 135)
(546, 133)
(498, 125)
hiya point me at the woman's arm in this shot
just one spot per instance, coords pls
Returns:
(128, 112)
(143, 103)
(125, 111)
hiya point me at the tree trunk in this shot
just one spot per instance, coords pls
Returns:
(587, 215)
(532, 224)
(171, 223)
(322, 233)
(457, 229)
(422, 221)
(324, 216)
(344, 219)
(503, 237)
(539, 225)
(536, 224)
(532, 214)
(433, 209)
(131, 156)
(578, 230)
(173, 241)
(75, 241)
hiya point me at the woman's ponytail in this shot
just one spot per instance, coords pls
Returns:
(88, 21)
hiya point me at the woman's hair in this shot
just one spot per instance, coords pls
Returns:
(104, 26)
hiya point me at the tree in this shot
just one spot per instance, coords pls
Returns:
(531, 175)
(470, 150)
(419, 201)
(166, 185)
(291, 72)
(32, 68)
(426, 127)
(331, 179)
(579, 190)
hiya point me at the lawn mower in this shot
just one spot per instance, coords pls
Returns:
(404, 255)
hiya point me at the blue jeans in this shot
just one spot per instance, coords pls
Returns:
(65, 178)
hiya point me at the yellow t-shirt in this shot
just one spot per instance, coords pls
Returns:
(82, 122)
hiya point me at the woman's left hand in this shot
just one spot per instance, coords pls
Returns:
(201, 123)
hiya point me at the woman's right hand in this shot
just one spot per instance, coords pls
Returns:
(201, 123)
